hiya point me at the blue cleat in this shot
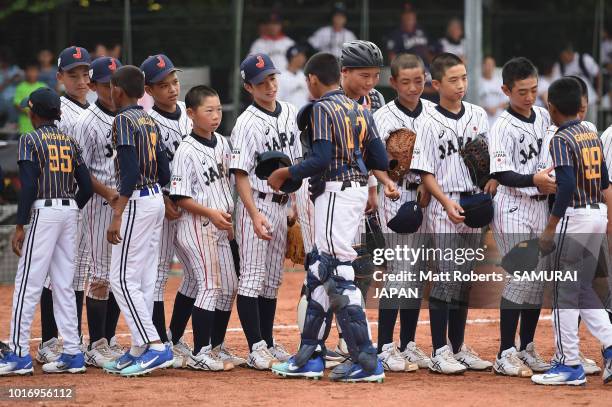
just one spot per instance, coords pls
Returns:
(607, 365)
(13, 365)
(149, 361)
(561, 375)
(117, 365)
(313, 369)
(353, 372)
(66, 364)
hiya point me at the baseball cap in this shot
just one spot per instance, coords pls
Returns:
(256, 67)
(156, 68)
(294, 50)
(408, 218)
(72, 57)
(101, 69)
(45, 103)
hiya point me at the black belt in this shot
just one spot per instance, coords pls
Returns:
(280, 199)
(411, 186)
(592, 206)
(49, 202)
(539, 197)
(349, 184)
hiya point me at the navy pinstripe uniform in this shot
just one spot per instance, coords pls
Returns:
(577, 155)
(49, 247)
(134, 260)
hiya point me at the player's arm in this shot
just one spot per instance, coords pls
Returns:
(28, 176)
(376, 159)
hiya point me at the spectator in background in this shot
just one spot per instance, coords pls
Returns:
(10, 76)
(291, 81)
(48, 70)
(544, 81)
(492, 98)
(408, 38)
(99, 50)
(605, 53)
(330, 38)
(115, 51)
(22, 92)
(272, 41)
(453, 42)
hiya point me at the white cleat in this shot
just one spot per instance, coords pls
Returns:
(99, 353)
(393, 361)
(279, 352)
(207, 359)
(116, 348)
(532, 359)
(471, 360)
(413, 354)
(510, 365)
(49, 351)
(260, 357)
(589, 365)
(442, 361)
(227, 355)
(182, 354)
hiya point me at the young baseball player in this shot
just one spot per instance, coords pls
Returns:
(92, 132)
(73, 73)
(135, 228)
(345, 145)
(162, 84)
(521, 208)
(408, 111)
(200, 185)
(261, 220)
(443, 172)
(582, 185)
(49, 164)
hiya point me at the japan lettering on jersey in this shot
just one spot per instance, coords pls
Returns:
(173, 127)
(444, 134)
(57, 156)
(71, 110)
(257, 131)
(93, 133)
(516, 143)
(201, 171)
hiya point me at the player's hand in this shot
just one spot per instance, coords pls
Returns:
(278, 178)
(18, 238)
(221, 220)
(172, 211)
(491, 187)
(454, 211)
(262, 227)
(372, 204)
(547, 242)
(113, 234)
(545, 182)
(391, 191)
(423, 196)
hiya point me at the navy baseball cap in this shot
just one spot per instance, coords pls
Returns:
(156, 68)
(256, 67)
(72, 57)
(408, 218)
(45, 103)
(101, 69)
(478, 210)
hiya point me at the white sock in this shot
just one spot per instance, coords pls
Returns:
(157, 346)
(137, 350)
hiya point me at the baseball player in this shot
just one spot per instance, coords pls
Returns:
(162, 84)
(345, 145)
(200, 185)
(49, 164)
(582, 184)
(92, 132)
(261, 219)
(521, 208)
(73, 72)
(408, 111)
(141, 167)
(436, 157)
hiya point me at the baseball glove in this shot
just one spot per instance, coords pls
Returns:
(400, 144)
(476, 157)
(295, 244)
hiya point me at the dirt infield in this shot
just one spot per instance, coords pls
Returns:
(247, 387)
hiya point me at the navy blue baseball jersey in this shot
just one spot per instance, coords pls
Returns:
(577, 146)
(56, 155)
(134, 127)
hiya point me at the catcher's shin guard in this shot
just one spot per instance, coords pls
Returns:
(313, 332)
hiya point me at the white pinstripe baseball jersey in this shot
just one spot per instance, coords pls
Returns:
(515, 143)
(606, 140)
(173, 127)
(258, 130)
(437, 148)
(71, 110)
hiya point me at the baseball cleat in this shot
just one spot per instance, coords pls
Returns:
(353, 372)
(561, 375)
(227, 355)
(182, 354)
(13, 365)
(206, 359)
(510, 365)
(471, 360)
(116, 348)
(260, 357)
(589, 365)
(334, 357)
(66, 364)
(279, 352)
(607, 363)
(49, 351)
(99, 353)
(4, 349)
(442, 361)
(413, 354)
(393, 361)
(117, 365)
(532, 359)
(313, 369)
(149, 361)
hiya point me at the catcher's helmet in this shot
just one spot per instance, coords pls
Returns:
(361, 54)
(477, 209)
(270, 161)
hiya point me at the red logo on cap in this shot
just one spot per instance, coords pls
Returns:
(77, 54)
(260, 62)
(161, 63)
(113, 65)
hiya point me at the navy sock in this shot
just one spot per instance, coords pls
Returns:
(112, 316)
(267, 310)
(220, 327)
(248, 312)
(159, 320)
(47, 319)
(181, 312)
(509, 314)
(386, 323)
(438, 315)
(409, 318)
(529, 323)
(79, 297)
(96, 318)
(202, 322)
(457, 317)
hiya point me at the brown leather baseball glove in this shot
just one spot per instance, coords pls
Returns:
(295, 244)
(400, 144)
